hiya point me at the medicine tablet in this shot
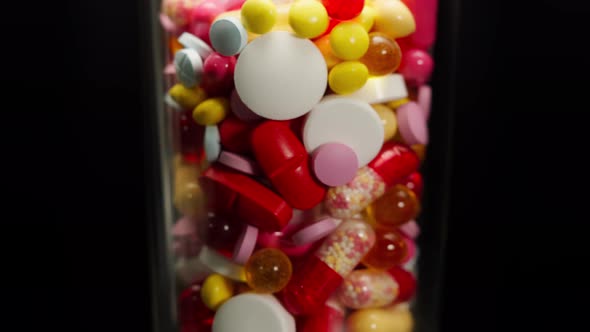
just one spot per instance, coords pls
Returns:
(212, 143)
(191, 41)
(315, 231)
(410, 229)
(334, 164)
(219, 264)
(412, 124)
(382, 89)
(228, 36)
(425, 100)
(189, 67)
(280, 76)
(347, 121)
(239, 163)
(251, 312)
(245, 245)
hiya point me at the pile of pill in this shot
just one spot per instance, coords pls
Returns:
(298, 130)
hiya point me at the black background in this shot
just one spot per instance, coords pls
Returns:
(73, 232)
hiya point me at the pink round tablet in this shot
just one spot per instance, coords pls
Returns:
(410, 229)
(315, 231)
(334, 164)
(425, 100)
(412, 124)
(245, 245)
(240, 110)
(238, 163)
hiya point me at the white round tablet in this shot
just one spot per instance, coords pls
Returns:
(189, 67)
(189, 40)
(348, 121)
(220, 264)
(280, 76)
(253, 313)
(382, 89)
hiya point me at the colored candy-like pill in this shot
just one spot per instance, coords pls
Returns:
(308, 18)
(380, 320)
(388, 120)
(268, 270)
(219, 67)
(347, 77)
(323, 44)
(259, 16)
(228, 36)
(349, 40)
(393, 18)
(390, 249)
(323, 272)
(366, 18)
(187, 98)
(344, 9)
(367, 289)
(245, 244)
(216, 290)
(425, 100)
(383, 55)
(412, 124)
(220, 233)
(334, 164)
(416, 66)
(398, 206)
(211, 111)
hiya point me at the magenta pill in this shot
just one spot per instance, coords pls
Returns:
(269, 239)
(410, 229)
(245, 245)
(334, 164)
(219, 67)
(416, 67)
(412, 124)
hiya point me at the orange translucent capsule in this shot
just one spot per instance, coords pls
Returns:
(398, 206)
(174, 45)
(390, 249)
(323, 44)
(383, 56)
(268, 270)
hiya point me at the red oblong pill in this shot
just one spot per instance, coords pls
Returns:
(285, 161)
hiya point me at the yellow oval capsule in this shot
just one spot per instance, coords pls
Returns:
(347, 77)
(349, 40)
(366, 18)
(211, 111)
(393, 18)
(259, 16)
(397, 319)
(388, 119)
(394, 104)
(308, 18)
(187, 97)
(216, 290)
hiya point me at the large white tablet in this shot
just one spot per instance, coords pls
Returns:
(348, 121)
(280, 76)
(382, 89)
(253, 313)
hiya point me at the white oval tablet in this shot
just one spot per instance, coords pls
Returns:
(253, 313)
(189, 67)
(382, 89)
(348, 121)
(189, 40)
(280, 76)
(212, 143)
(221, 265)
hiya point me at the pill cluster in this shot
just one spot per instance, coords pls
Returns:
(298, 129)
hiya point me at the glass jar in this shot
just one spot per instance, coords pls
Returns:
(292, 135)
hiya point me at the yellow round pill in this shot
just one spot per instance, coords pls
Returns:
(394, 18)
(388, 119)
(366, 18)
(216, 290)
(211, 111)
(308, 18)
(347, 77)
(349, 40)
(259, 16)
(187, 97)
